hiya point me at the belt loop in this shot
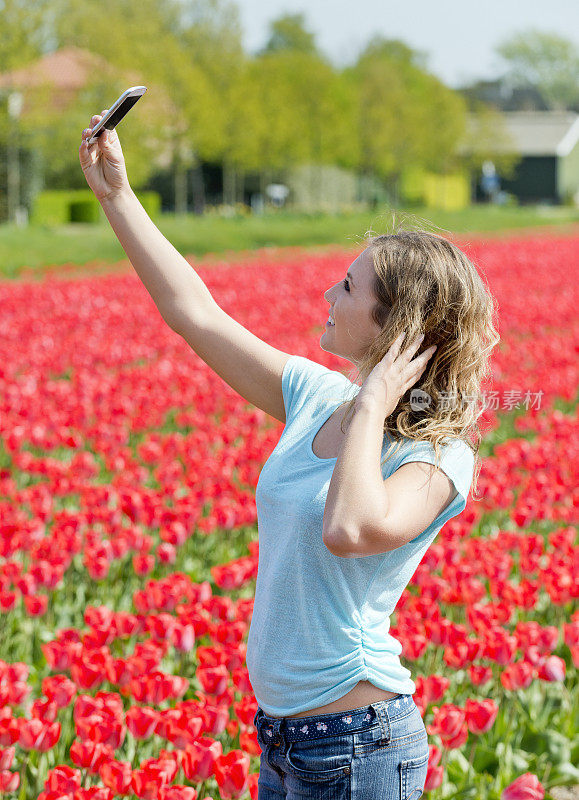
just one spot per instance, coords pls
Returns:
(270, 729)
(276, 726)
(381, 711)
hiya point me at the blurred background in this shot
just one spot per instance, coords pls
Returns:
(258, 108)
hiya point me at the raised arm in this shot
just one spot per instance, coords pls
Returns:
(167, 276)
(249, 365)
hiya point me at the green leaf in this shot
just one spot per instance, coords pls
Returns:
(485, 759)
(558, 747)
(458, 768)
(534, 742)
(520, 761)
(564, 774)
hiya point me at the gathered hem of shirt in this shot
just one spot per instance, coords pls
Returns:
(362, 671)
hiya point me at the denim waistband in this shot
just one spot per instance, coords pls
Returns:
(295, 729)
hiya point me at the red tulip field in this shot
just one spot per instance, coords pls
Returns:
(129, 544)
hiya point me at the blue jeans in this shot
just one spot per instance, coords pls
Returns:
(377, 752)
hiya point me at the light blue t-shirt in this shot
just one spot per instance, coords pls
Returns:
(321, 622)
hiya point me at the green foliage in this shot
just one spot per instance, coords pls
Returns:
(546, 61)
(58, 207)
(39, 246)
(87, 210)
(289, 108)
(22, 31)
(208, 101)
(394, 50)
(180, 117)
(486, 138)
(55, 207)
(289, 32)
(151, 202)
(405, 116)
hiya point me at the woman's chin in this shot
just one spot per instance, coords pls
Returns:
(325, 345)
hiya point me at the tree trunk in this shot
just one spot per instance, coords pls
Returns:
(198, 187)
(229, 185)
(180, 188)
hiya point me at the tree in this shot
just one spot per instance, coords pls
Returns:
(289, 32)
(395, 50)
(184, 102)
(23, 32)
(288, 108)
(210, 33)
(302, 109)
(487, 139)
(406, 117)
(544, 60)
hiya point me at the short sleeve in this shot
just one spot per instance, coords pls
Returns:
(456, 461)
(303, 379)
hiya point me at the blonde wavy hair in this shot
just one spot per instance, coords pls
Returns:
(426, 284)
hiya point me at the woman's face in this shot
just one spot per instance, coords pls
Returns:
(351, 300)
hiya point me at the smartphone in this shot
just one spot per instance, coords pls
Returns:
(117, 111)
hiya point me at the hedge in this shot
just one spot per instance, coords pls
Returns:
(79, 205)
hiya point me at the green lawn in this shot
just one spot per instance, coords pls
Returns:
(34, 248)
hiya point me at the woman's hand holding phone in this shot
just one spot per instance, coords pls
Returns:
(103, 162)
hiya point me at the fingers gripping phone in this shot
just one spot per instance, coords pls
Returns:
(117, 111)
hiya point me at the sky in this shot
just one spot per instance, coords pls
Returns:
(458, 36)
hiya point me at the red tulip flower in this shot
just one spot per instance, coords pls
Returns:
(449, 723)
(177, 792)
(117, 775)
(183, 730)
(141, 721)
(59, 689)
(526, 787)
(517, 676)
(7, 757)
(9, 781)
(17, 692)
(94, 793)
(199, 759)
(143, 564)
(246, 709)
(45, 710)
(214, 680)
(553, 669)
(37, 735)
(184, 637)
(480, 715)
(248, 742)
(148, 781)
(8, 600)
(166, 553)
(232, 774)
(89, 667)
(480, 675)
(63, 779)
(35, 604)
(90, 755)
(9, 728)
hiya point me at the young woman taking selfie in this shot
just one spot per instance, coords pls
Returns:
(364, 476)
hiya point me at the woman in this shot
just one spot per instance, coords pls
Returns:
(341, 530)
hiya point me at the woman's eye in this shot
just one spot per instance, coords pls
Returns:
(346, 284)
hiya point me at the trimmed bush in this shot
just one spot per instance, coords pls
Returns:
(50, 208)
(55, 207)
(80, 205)
(151, 202)
(87, 210)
